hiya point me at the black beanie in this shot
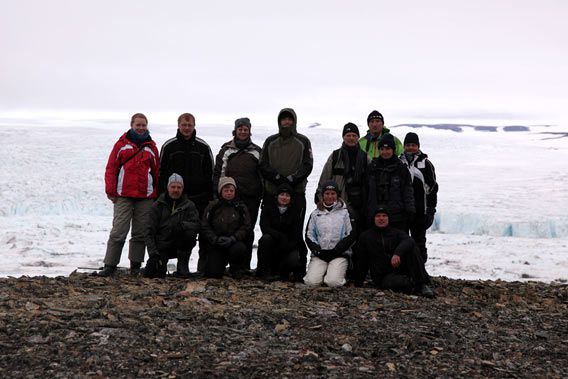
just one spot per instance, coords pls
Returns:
(329, 185)
(375, 115)
(381, 210)
(242, 122)
(412, 138)
(350, 128)
(284, 188)
(387, 140)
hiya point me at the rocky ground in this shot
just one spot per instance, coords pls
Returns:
(84, 326)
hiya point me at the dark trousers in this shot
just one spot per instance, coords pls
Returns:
(418, 234)
(218, 257)
(252, 204)
(275, 258)
(157, 266)
(201, 205)
(300, 271)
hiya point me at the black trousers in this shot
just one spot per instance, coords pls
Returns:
(218, 257)
(418, 234)
(253, 205)
(275, 258)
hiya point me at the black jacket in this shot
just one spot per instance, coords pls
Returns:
(193, 160)
(285, 228)
(390, 186)
(225, 218)
(171, 223)
(423, 181)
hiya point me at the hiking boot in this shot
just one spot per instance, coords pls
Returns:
(181, 274)
(107, 271)
(135, 268)
(426, 291)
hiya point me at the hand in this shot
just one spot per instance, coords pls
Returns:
(112, 198)
(224, 241)
(395, 261)
(327, 255)
(429, 220)
(290, 179)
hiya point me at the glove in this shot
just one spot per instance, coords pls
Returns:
(429, 220)
(278, 236)
(226, 241)
(280, 179)
(328, 255)
(290, 179)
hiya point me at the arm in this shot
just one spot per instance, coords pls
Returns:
(431, 185)
(268, 173)
(244, 230)
(208, 172)
(311, 236)
(206, 230)
(326, 174)
(350, 235)
(164, 170)
(307, 163)
(152, 230)
(111, 172)
(408, 191)
(220, 167)
(191, 223)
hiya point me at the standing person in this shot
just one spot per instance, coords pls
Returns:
(425, 189)
(190, 157)
(390, 185)
(171, 231)
(225, 226)
(287, 158)
(370, 142)
(131, 176)
(392, 257)
(279, 246)
(329, 235)
(239, 159)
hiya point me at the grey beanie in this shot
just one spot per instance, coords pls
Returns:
(225, 180)
(175, 178)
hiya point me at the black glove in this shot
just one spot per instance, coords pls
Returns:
(177, 228)
(328, 255)
(226, 241)
(290, 179)
(280, 179)
(429, 220)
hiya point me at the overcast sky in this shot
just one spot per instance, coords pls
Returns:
(413, 59)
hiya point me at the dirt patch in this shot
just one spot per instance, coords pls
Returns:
(81, 326)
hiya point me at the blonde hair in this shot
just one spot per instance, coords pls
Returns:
(137, 115)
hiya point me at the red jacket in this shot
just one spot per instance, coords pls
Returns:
(138, 178)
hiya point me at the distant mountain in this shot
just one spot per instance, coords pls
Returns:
(460, 127)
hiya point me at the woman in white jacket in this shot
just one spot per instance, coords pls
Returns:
(329, 235)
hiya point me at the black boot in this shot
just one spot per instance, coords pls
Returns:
(135, 268)
(426, 291)
(182, 267)
(107, 271)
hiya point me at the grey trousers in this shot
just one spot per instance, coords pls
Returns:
(126, 211)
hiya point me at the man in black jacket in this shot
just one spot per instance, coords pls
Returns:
(172, 228)
(393, 258)
(190, 157)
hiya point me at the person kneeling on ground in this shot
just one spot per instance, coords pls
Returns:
(225, 226)
(393, 257)
(172, 229)
(329, 235)
(278, 248)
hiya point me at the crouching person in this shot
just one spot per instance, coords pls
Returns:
(278, 248)
(393, 258)
(171, 232)
(329, 236)
(225, 227)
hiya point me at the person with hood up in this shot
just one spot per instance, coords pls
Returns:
(131, 176)
(370, 142)
(171, 231)
(329, 235)
(239, 159)
(393, 258)
(390, 186)
(225, 226)
(278, 248)
(287, 158)
(425, 190)
(190, 157)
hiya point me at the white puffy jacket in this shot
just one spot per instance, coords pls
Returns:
(327, 228)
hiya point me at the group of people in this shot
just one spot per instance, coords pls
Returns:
(376, 198)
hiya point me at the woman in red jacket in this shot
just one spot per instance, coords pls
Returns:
(131, 180)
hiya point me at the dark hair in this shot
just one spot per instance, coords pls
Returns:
(186, 116)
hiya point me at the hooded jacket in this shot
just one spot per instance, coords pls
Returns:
(286, 155)
(242, 164)
(193, 160)
(131, 170)
(169, 222)
(423, 178)
(369, 144)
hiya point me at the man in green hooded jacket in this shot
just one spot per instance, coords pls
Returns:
(370, 142)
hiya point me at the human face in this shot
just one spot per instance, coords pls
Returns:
(381, 220)
(386, 152)
(284, 199)
(175, 190)
(186, 126)
(411, 148)
(329, 197)
(287, 122)
(139, 125)
(228, 192)
(351, 139)
(376, 126)
(242, 133)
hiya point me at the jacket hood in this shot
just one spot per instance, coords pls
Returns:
(294, 117)
(340, 204)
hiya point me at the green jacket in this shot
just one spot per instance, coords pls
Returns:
(369, 143)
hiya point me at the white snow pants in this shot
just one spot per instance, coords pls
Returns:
(332, 273)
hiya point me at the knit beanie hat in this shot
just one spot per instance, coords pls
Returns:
(411, 138)
(375, 115)
(284, 188)
(224, 181)
(329, 185)
(175, 178)
(387, 140)
(381, 210)
(244, 121)
(350, 128)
